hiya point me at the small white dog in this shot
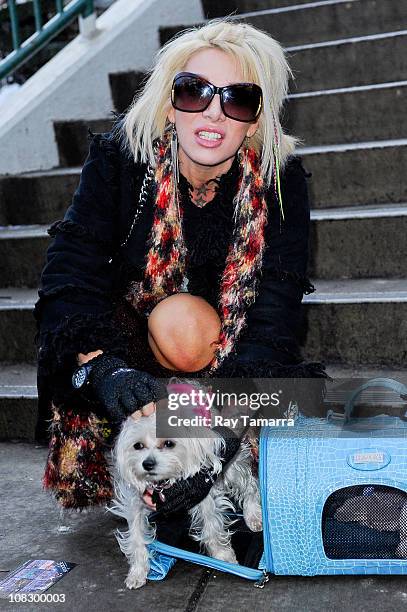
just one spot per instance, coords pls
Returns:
(143, 462)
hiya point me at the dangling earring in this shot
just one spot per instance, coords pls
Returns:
(277, 186)
(175, 174)
(246, 152)
(244, 156)
(174, 155)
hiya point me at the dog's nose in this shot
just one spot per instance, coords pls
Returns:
(148, 464)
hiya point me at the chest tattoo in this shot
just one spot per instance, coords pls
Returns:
(205, 193)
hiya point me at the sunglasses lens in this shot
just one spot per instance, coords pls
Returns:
(191, 94)
(242, 102)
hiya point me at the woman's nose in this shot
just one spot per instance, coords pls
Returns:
(214, 111)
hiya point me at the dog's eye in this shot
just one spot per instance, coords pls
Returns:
(169, 444)
(138, 446)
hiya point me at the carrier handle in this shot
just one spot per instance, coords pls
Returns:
(388, 383)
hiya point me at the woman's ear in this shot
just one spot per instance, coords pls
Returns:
(252, 129)
(171, 115)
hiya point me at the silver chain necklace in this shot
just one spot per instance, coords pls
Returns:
(141, 201)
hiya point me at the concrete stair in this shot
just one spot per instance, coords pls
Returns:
(334, 233)
(349, 62)
(357, 173)
(318, 22)
(18, 400)
(345, 115)
(18, 394)
(360, 173)
(369, 314)
(348, 114)
(347, 105)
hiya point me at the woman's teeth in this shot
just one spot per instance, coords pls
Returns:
(209, 135)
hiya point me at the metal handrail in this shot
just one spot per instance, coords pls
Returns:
(23, 51)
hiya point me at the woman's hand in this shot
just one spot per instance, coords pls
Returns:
(146, 410)
(122, 390)
(82, 358)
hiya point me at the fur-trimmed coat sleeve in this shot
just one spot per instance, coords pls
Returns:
(74, 309)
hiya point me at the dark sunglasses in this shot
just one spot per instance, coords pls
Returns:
(192, 94)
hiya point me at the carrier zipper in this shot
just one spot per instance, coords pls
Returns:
(263, 492)
(232, 568)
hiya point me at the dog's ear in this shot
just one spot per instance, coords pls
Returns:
(124, 455)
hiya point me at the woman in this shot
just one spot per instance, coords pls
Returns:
(184, 250)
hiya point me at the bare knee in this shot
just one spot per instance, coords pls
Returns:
(183, 331)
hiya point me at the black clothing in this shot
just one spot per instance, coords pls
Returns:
(187, 493)
(121, 390)
(87, 272)
(208, 233)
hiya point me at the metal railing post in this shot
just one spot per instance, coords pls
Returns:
(89, 8)
(15, 30)
(23, 51)
(37, 15)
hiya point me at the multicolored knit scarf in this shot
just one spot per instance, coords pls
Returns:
(76, 469)
(166, 257)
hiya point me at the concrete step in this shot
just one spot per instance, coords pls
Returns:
(361, 173)
(356, 322)
(351, 174)
(336, 236)
(17, 325)
(348, 242)
(72, 139)
(214, 8)
(18, 380)
(37, 197)
(18, 401)
(19, 397)
(343, 175)
(124, 86)
(318, 118)
(22, 254)
(315, 22)
(349, 62)
(348, 115)
(359, 242)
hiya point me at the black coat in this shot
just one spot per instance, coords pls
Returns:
(87, 272)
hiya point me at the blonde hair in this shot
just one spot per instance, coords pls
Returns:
(262, 61)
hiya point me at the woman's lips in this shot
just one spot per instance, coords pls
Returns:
(207, 142)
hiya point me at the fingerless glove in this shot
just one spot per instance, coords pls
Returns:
(122, 390)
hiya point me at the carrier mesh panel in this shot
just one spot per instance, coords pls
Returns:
(365, 522)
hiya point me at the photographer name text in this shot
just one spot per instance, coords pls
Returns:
(231, 422)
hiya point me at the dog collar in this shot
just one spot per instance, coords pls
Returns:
(159, 487)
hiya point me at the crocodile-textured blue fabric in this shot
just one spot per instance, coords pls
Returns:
(309, 462)
(305, 466)
(160, 565)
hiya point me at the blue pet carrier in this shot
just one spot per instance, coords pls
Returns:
(334, 498)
